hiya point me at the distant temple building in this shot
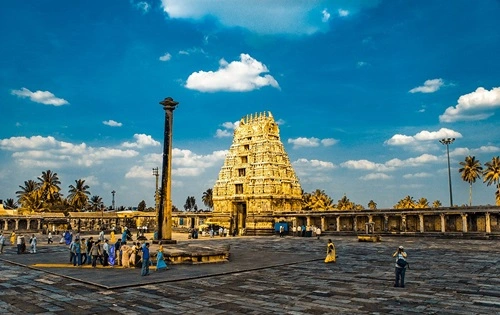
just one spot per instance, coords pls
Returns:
(257, 178)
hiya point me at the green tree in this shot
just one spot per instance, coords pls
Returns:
(28, 196)
(78, 196)
(470, 171)
(319, 200)
(141, 206)
(306, 200)
(10, 204)
(48, 190)
(491, 175)
(96, 203)
(372, 205)
(345, 204)
(406, 203)
(422, 203)
(190, 204)
(436, 204)
(207, 198)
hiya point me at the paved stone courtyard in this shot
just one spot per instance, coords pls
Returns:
(265, 275)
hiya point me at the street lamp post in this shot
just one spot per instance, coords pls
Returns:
(447, 142)
(113, 202)
(164, 217)
(157, 195)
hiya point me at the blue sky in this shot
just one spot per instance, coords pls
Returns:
(362, 91)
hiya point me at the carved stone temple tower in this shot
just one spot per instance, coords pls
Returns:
(257, 178)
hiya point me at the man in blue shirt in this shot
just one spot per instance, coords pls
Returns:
(145, 259)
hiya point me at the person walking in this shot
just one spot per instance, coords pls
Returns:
(77, 249)
(330, 252)
(2, 242)
(33, 244)
(101, 236)
(145, 259)
(19, 243)
(49, 238)
(160, 260)
(105, 253)
(95, 252)
(318, 233)
(401, 265)
(83, 251)
(13, 238)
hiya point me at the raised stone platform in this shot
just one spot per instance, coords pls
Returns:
(369, 238)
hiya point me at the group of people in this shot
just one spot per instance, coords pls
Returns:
(306, 231)
(400, 255)
(20, 242)
(87, 251)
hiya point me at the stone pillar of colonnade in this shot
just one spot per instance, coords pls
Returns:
(5, 225)
(17, 224)
(323, 225)
(421, 219)
(487, 222)
(39, 224)
(403, 223)
(308, 221)
(338, 223)
(443, 223)
(355, 224)
(294, 221)
(28, 224)
(386, 223)
(464, 222)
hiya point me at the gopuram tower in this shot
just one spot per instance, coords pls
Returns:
(257, 178)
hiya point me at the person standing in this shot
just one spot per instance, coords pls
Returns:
(83, 251)
(33, 244)
(401, 264)
(160, 260)
(105, 253)
(101, 236)
(2, 242)
(318, 233)
(118, 252)
(49, 238)
(124, 236)
(145, 259)
(330, 252)
(95, 252)
(77, 249)
(13, 238)
(19, 243)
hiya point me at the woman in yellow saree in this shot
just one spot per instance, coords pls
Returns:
(330, 252)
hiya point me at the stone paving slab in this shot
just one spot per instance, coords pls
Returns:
(269, 275)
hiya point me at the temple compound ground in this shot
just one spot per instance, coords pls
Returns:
(265, 275)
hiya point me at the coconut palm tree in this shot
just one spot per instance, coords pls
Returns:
(497, 195)
(372, 205)
(471, 170)
(306, 200)
(49, 187)
(319, 200)
(406, 203)
(436, 204)
(78, 196)
(491, 175)
(207, 198)
(345, 204)
(422, 203)
(28, 196)
(96, 203)
(10, 204)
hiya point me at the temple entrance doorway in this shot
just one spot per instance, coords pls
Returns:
(240, 217)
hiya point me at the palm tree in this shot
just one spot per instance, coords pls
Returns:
(406, 203)
(207, 198)
(372, 205)
(470, 171)
(49, 187)
(422, 203)
(306, 200)
(345, 204)
(190, 204)
(491, 175)
(28, 196)
(96, 203)
(78, 196)
(10, 204)
(319, 200)
(436, 204)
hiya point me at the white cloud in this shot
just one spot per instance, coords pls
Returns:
(430, 86)
(314, 164)
(361, 64)
(237, 76)
(223, 133)
(473, 106)
(166, 57)
(343, 13)
(417, 175)
(329, 142)
(39, 151)
(390, 165)
(311, 142)
(143, 6)
(43, 97)
(187, 163)
(141, 141)
(112, 123)
(422, 136)
(325, 16)
(375, 176)
(461, 152)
